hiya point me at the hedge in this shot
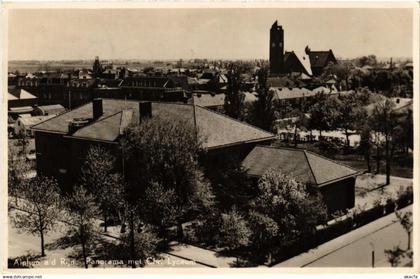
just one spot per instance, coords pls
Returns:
(339, 228)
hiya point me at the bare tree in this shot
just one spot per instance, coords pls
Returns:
(81, 213)
(38, 214)
(384, 122)
(406, 221)
(18, 169)
(98, 179)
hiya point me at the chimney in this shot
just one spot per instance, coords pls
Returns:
(97, 108)
(145, 110)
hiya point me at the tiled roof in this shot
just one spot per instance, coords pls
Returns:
(217, 100)
(11, 97)
(20, 94)
(319, 58)
(400, 104)
(209, 100)
(216, 129)
(52, 109)
(18, 110)
(295, 92)
(303, 60)
(280, 82)
(33, 120)
(304, 165)
(291, 93)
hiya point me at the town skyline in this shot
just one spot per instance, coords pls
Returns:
(369, 30)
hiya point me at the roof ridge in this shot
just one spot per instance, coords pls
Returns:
(310, 167)
(282, 147)
(137, 101)
(60, 114)
(331, 160)
(99, 120)
(231, 118)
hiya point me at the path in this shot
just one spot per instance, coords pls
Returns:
(354, 248)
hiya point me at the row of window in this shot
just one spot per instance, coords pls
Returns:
(36, 83)
(81, 95)
(145, 83)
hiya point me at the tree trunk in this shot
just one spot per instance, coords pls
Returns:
(409, 240)
(180, 231)
(82, 238)
(387, 161)
(270, 258)
(105, 222)
(42, 244)
(378, 159)
(369, 168)
(132, 250)
(347, 137)
(295, 138)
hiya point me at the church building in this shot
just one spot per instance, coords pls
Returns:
(311, 63)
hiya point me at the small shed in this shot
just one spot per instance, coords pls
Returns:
(335, 181)
(23, 124)
(49, 110)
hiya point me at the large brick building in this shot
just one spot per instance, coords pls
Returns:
(62, 142)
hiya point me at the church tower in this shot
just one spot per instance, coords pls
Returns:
(276, 50)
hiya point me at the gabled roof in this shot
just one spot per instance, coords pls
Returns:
(400, 104)
(281, 81)
(304, 165)
(33, 120)
(217, 100)
(320, 58)
(19, 110)
(20, 94)
(291, 93)
(10, 97)
(302, 59)
(216, 129)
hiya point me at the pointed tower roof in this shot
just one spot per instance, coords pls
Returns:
(275, 25)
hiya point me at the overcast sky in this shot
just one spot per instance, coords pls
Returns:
(204, 33)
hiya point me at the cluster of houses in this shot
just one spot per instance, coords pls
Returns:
(95, 106)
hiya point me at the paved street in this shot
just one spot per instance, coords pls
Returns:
(354, 248)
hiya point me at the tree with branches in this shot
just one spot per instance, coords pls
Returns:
(285, 209)
(39, 212)
(235, 231)
(384, 122)
(81, 214)
(166, 152)
(406, 221)
(262, 114)
(234, 97)
(98, 177)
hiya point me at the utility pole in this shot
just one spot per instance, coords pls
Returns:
(69, 100)
(372, 245)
